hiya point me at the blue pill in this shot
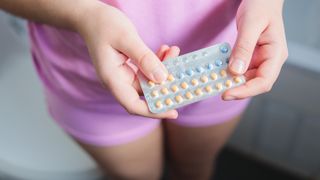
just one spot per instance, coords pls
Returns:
(224, 49)
(180, 75)
(210, 66)
(189, 72)
(199, 69)
(218, 62)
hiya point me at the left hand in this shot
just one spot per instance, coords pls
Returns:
(260, 49)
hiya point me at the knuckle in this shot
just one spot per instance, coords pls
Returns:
(267, 87)
(131, 110)
(285, 53)
(124, 36)
(144, 60)
(244, 48)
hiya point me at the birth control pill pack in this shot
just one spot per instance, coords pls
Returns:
(192, 77)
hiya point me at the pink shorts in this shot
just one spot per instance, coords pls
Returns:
(108, 124)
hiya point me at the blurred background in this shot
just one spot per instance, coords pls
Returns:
(277, 138)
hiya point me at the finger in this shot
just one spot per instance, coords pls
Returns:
(161, 52)
(131, 101)
(174, 51)
(263, 80)
(149, 64)
(249, 31)
(123, 89)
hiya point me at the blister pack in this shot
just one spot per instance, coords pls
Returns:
(192, 77)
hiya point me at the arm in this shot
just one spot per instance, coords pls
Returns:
(111, 39)
(61, 13)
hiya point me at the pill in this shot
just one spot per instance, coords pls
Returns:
(218, 86)
(224, 49)
(151, 83)
(198, 92)
(184, 85)
(195, 56)
(213, 76)
(164, 90)
(170, 77)
(210, 66)
(189, 95)
(180, 75)
(194, 82)
(178, 98)
(189, 72)
(168, 101)
(237, 79)
(199, 69)
(204, 79)
(228, 83)
(223, 73)
(218, 62)
(208, 88)
(154, 93)
(158, 104)
(174, 88)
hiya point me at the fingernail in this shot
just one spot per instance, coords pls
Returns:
(229, 98)
(159, 74)
(238, 66)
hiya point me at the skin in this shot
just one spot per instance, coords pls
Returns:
(259, 53)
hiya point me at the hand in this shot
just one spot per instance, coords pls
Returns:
(260, 49)
(112, 40)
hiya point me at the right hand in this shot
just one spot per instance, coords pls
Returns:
(112, 39)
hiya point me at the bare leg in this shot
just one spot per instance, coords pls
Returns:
(141, 159)
(193, 151)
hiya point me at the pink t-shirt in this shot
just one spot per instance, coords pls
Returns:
(65, 67)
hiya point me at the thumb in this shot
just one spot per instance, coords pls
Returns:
(143, 57)
(248, 34)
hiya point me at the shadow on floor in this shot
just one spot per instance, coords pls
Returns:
(233, 165)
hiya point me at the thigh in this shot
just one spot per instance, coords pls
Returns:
(139, 159)
(193, 149)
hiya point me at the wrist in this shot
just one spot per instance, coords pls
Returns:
(83, 14)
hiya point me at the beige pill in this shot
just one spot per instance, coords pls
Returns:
(164, 90)
(184, 85)
(174, 88)
(151, 83)
(158, 104)
(189, 95)
(194, 82)
(198, 92)
(223, 73)
(219, 86)
(179, 99)
(154, 93)
(237, 79)
(168, 102)
(228, 83)
(204, 79)
(170, 77)
(214, 76)
(208, 88)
